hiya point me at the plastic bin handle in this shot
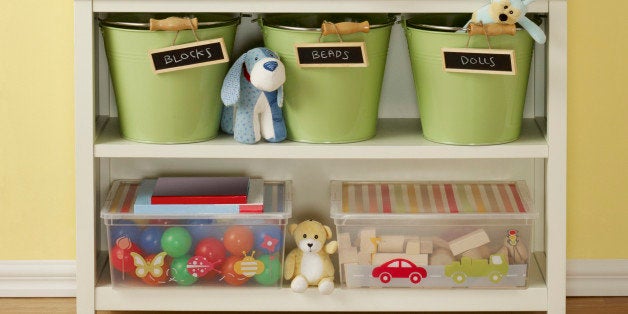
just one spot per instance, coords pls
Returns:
(173, 23)
(344, 28)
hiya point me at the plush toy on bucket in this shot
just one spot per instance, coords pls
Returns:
(508, 12)
(253, 95)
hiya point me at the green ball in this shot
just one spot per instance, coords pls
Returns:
(176, 241)
(179, 271)
(272, 270)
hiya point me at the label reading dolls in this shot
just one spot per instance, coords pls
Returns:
(487, 61)
(321, 55)
(186, 56)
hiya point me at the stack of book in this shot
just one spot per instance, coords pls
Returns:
(200, 195)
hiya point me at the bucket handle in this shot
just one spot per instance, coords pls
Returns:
(343, 28)
(487, 30)
(174, 23)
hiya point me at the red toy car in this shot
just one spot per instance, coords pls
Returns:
(399, 268)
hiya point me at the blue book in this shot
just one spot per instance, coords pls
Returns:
(142, 205)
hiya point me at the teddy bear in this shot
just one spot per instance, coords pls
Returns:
(508, 12)
(252, 93)
(309, 263)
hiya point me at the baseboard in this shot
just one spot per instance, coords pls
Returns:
(597, 277)
(34, 278)
(52, 278)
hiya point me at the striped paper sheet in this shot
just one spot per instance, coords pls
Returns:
(432, 197)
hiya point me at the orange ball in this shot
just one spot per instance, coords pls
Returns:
(228, 271)
(238, 239)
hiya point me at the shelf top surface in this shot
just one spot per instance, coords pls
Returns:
(347, 6)
(395, 139)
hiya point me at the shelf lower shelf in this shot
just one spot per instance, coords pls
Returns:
(395, 139)
(534, 298)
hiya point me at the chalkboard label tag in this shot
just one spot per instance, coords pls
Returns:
(186, 56)
(324, 55)
(486, 61)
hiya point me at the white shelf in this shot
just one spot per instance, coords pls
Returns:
(395, 139)
(534, 298)
(280, 6)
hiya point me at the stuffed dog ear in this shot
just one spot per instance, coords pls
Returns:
(534, 30)
(230, 92)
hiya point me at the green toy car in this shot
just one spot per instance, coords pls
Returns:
(495, 267)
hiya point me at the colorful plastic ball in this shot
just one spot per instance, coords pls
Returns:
(203, 228)
(163, 279)
(212, 249)
(238, 239)
(268, 239)
(150, 240)
(179, 271)
(125, 229)
(176, 241)
(120, 255)
(272, 270)
(229, 273)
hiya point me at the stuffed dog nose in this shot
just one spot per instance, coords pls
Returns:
(271, 65)
(503, 17)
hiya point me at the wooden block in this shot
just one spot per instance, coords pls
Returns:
(391, 244)
(366, 244)
(413, 246)
(427, 245)
(381, 258)
(344, 240)
(348, 255)
(441, 256)
(468, 241)
(364, 258)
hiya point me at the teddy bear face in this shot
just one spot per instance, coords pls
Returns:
(310, 236)
(505, 12)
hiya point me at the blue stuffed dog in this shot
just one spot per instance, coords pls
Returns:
(253, 95)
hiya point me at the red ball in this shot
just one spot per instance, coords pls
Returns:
(120, 255)
(212, 249)
(155, 281)
(215, 253)
(228, 271)
(238, 239)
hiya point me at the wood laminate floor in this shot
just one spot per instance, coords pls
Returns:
(575, 305)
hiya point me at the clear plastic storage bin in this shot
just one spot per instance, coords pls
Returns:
(196, 249)
(433, 234)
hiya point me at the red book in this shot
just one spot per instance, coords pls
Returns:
(200, 190)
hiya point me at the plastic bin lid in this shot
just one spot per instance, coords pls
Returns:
(424, 200)
(122, 194)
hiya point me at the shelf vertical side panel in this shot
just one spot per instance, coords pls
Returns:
(556, 202)
(84, 129)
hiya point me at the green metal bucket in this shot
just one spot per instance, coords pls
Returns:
(329, 105)
(466, 108)
(176, 107)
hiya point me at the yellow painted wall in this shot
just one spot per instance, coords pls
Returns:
(598, 131)
(36, 130)
(37, 139)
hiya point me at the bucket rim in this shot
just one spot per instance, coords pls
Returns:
(146, 26)
(424, 26)
(263, 20)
